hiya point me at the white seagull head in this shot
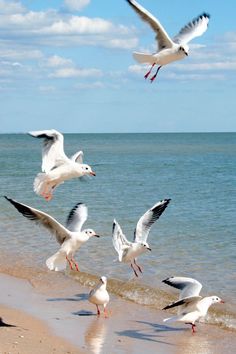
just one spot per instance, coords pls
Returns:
(216, 299)
(86, 170)
(145, 246)
(103, 279)
(184, 49)
(90, 232)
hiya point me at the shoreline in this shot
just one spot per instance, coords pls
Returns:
(65, 311)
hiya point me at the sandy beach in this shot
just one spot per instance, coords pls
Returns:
(24, 333)
(59, 319)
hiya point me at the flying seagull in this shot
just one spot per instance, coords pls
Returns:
(168, 50)
(99, 295)
(129, 251)
(70, 238)
(193, 306)
(56, 166)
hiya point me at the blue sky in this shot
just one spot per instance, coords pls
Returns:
(68, 65)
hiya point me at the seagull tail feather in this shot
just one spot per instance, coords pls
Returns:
(57, 262)
(144, 58)
(172, 319)
(40, 183)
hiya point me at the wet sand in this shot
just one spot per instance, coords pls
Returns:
(58, 305)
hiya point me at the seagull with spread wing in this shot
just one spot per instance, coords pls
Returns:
(129, 251)
(56, 166)
(192, 305)
(168, 50)
(70, 238)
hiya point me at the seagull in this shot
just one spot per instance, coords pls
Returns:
(168, 49)
(193, 306)
(129, 251)
(99, 295)
(70, 238)
(56, 166)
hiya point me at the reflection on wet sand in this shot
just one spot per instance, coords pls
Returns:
(96, 334)
(198, 343)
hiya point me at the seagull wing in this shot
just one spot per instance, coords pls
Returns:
(186, 302)
(53, 148)
(78, 157)
(120, 242)
(54, 227)
(163, 39)
(147, 220)
(189, 287)
(77, 217)
(193, 29)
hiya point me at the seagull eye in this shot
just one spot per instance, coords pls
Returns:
(86, 168)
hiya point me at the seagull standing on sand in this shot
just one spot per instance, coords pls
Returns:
(56, 166)
(99, 295)
(71, 237)
(168, 50)
(129, 251)
(193, 306)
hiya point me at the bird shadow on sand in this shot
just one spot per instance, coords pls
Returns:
(156, 329)
(140, 334)
(84, 313)
(77, 297)
(163, 328)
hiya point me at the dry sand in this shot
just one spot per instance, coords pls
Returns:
(67, 314)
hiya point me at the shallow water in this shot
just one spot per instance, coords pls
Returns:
(194, 237)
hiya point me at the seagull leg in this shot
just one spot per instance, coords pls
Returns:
(47, 197)
(76, 264)
(139, 268)
(46, 193)
(105, 313)
(70, 263)
(98, 311)
(134, 270)
(154, 76)
(193, 326)
(149, 72)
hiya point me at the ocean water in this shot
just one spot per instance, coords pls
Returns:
(195, 236)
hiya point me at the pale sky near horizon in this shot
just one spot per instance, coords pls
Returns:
(68, 65)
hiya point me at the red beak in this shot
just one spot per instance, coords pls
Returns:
(222, 302)
(92, 173)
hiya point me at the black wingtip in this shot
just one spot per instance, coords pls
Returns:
(167, 200)
(167, 280)
(205, 14)
(71, 213)
(113, 226)
(10, 200)
(168, 306)
(7, 198)
(4, 324)
(165, 308)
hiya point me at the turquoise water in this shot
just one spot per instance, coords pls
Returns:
(194, 237)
